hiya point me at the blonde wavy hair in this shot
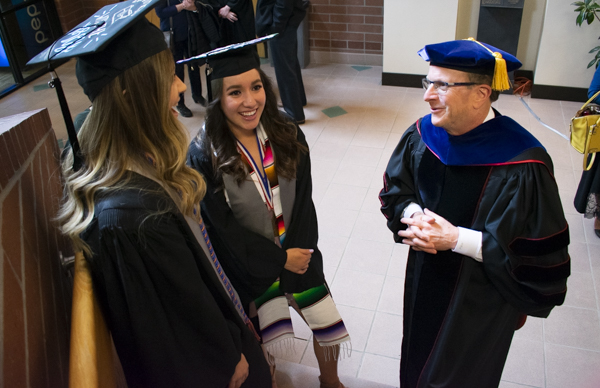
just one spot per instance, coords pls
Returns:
(131, 120)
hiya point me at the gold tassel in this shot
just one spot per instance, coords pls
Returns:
(500, 80)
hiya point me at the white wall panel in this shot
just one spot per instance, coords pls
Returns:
(563, 54)
(409, 25)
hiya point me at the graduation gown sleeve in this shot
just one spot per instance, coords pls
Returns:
(170, 323)
(399, 180)
(525, 237)
(303, 231)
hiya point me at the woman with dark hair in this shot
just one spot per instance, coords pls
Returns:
(131, 208)
(259, 211)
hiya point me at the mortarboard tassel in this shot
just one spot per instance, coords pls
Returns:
(500, 79)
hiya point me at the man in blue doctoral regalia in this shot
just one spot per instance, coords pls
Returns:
(473, 194)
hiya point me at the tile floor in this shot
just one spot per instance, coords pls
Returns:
(362, 264)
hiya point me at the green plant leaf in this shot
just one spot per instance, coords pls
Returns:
(590, 18)
(587, 11)
(591, 63)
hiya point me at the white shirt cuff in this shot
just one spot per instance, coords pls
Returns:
(411, 209)
(469, 243)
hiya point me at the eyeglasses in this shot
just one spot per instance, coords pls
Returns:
(440, 86)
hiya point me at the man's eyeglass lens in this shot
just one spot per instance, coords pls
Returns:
(440, 86)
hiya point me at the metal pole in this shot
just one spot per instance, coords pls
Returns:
(64, 107)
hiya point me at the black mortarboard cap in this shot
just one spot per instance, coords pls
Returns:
(233, 62)
(471, 56)
(135, 39)
(230, 60)
(142, 40)
(114, 39)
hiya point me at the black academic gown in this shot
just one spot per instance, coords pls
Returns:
(460, 314)
(172, 323)
(252, 261)
(241, 30)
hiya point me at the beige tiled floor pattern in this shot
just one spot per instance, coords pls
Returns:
(362, 264)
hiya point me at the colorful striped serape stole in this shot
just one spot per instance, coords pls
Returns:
(274, 317)
(267, 184)
(322, 316)
(319, 311)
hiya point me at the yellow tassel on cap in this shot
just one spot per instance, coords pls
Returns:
(500, 80)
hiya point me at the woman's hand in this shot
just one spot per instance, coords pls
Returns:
(297, 260)
(241, 373)
(226, 13)
(187, 5)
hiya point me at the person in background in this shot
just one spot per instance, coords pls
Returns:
(587, 198)
(238, 20)
(133, 209)
(172, 13)
(284, 17)
(473, 194)
(259, 211)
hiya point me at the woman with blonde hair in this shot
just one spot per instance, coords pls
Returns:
(175, 319)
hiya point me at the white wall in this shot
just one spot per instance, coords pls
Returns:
(406, 30)
(563, 51)
(531, 32)
(410, 25)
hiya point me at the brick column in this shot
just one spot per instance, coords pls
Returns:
(346, 31)
(35, 297)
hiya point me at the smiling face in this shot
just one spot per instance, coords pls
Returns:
(452, 110)
(243, 101)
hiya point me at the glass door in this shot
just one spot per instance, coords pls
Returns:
(26, 28)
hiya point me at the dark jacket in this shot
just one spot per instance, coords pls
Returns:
(276, 15)
(166, 10)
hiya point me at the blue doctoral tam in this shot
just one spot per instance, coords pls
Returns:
(467, 55)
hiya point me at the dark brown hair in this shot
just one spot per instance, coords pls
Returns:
(219, 143)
